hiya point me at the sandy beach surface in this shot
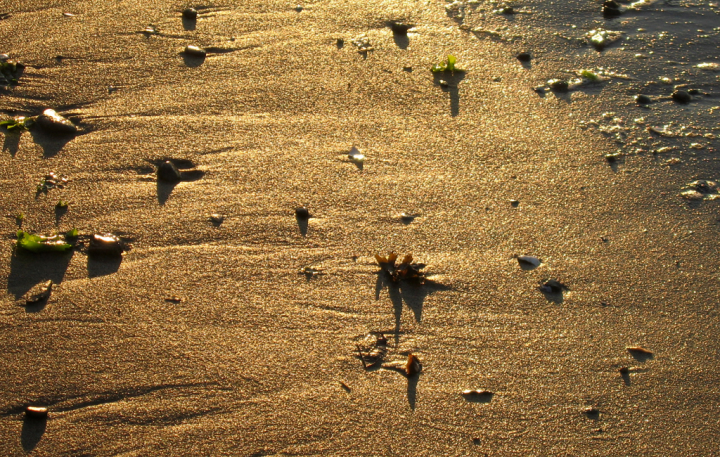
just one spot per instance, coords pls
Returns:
(241, 336)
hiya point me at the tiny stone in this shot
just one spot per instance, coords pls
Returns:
(36, 412)
(108, 244)
(524, 57)
(408, 69)
(514, 203)
(398, 28)
(681, 96)
(302, 213)
(611, 8)
(340, 43)
(167, 171)
(217, 218)
(39, 293)
(559, 85)
(443, 83)
(299, 8)
(195, 51)
(694, 91)
(51, 120)
(624, 370)
(643, 99)
(190, 13)
(590, 411)
(173, 299)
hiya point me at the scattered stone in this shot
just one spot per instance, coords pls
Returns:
(399, 28)
(591, 411)
(39, 293)
(408, 217)
(50, 120)
(643, 99)
(514, 203)
(709, 66)
(302, 213)
(624, 370)
(299, 8)
(413, 366)
(195, 51)
(167, 171)
(362, 43)
(475, 395)
(217, 218)
(106, 245)
(553, 286)
(340, 43)
(190, 13)
(524, 57)
(612, 157)
(174, 299)
(559, 85)
(611, 8)
(681, 96)
(36, 412)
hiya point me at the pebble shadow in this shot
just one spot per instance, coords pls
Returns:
(51, 143)
(11, 143)
(32, 431)
(102, 266)
(189, 24)
(192, 61)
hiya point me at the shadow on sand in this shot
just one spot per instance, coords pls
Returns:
(28, 269)
(32, 431)
(448, 82)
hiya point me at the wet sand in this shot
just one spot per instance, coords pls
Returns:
(258, 358)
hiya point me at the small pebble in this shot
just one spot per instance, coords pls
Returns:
(36, 412)
(217, 218)
(340, 43)
(681, 96)
(173, 299)
(624, 370)
(299, 8)
(477, 394)
(643, 99)
(514, 203)
(508, 10)
(553, 286)
(559, 85)
(529, 260)
(591, 411)
(524, 57)
(611, 8)
(109, 245)
(167, 171)
(398, 28)
(190, 13)
(195, 51)
(52, 121)
(302, 213)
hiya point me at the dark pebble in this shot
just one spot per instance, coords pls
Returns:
(559, 85)
(643, 99)
(109, 245)
(681, 96)
(302, 213)
(36, 412)
(167, 171)
(508, 10)
(514, 203)
(195, 51)
(592, 412)
(694, 92)
(524, 57)
(611, 9)
(190, 13)
(398, 28)
(50, 120)
(340, 43)
(553, 286)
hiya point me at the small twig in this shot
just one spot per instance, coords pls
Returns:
(362, 359)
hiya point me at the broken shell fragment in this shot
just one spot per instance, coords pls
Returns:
(109, 245)
(413, 365)
(50, 120)
(167, 171)
(639, 350)
(39, 293)
(36, 412)
(195, 51)
(528, 261)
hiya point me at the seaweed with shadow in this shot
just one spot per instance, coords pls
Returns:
(32, 431)
(27, 269)
(407, 284)
(51, 142)
(11, 142)
(186, 172)
(448, 82)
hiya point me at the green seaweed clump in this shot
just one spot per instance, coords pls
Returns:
(16, 124)
(447, 65)
(39, 243)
